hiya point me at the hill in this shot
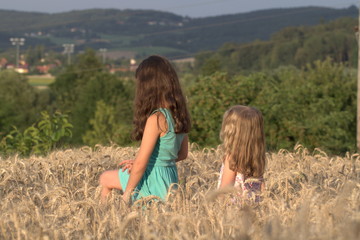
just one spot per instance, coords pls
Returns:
(137, 30)
(307, 196)
(296, 45)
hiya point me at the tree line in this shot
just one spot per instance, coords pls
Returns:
(302, 80)
(314, 106)
(295, 46)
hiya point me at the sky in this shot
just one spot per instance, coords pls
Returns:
(191, 8)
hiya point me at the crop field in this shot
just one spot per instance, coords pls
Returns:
(308, 195)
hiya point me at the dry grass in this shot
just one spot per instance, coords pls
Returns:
(307, 196)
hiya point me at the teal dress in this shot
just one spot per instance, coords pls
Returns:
(161, 171)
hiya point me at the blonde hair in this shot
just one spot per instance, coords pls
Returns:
(242, 133)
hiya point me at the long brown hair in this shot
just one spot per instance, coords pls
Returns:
(157, 85)
(242, 133)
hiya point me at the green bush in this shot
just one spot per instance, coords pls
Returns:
(40, 138)
(85, 83)
(106, 128)
(17, 101)
(315, 106)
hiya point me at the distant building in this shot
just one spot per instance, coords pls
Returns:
(3, 63)
(23, 68)
(118, 69)
(44, 69)
(133, 66)
(115, 55)
(190, 60)
(130, 68)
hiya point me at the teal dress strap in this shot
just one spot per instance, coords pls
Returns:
(168, 117)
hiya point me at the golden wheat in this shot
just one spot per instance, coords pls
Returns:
(307, 196)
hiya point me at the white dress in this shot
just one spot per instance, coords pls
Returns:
(251, 187)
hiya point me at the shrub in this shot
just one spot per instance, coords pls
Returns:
(40, 138)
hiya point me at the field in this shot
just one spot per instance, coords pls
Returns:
(307, 196)
(166, 51)
(40, 80)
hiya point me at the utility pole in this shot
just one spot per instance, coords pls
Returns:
(358, 90)
(68, 49)
(17, 42)
(103, 53)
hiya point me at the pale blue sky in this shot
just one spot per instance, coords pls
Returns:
(191, 8)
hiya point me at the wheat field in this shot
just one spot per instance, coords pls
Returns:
(307, 196)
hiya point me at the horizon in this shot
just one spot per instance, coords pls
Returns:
(188, 8)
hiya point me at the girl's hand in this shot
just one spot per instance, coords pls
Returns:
(126, 164)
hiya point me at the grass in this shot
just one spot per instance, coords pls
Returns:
(57, 40)
(119, 40)
(41, 80)
(124, 42)
(165, 51)
(307, 196)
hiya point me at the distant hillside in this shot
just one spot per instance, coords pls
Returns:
(297, 46)
(140, 30)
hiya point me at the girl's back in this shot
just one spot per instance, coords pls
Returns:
(161, 171)
(167, 147)
(243, 139)
(250, 188)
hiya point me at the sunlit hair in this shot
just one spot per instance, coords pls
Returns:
(157, 85)
(242, 133)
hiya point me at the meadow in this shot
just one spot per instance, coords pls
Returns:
(40, 80)
(308, 195)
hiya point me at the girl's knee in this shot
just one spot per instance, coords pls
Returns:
(110, 179)
(104, 178)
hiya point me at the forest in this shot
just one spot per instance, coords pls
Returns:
(296, 46)
(303, 80)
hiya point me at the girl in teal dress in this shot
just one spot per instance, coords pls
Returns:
(161, 122)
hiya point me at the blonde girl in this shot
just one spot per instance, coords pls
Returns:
(242, 134)
(161, 122)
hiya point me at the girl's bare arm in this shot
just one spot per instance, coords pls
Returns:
(183, 152)
(228, 177)
(150, 136)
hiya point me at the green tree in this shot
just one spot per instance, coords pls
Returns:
(18, 100)
(34, 55)
(40, 138)
(85, 83)
(315, 107)
(210, 96)
(106, 128)
(290, 46)
(106, 87)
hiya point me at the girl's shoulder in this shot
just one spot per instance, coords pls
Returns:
(159, 118)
